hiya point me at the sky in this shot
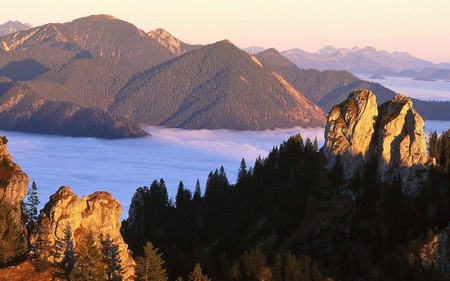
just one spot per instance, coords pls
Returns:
(418, 27)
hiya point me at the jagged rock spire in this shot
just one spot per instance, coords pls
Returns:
(392, 134)
(349, 130)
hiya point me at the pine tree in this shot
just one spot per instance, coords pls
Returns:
(64, 251)
(112, 260)
(224, 267)
(253, 262)
(150, 267)
(235, 272)
(88, 260)
(292, 269)
(42, 248)
(197, 191)
(179, 197)
(197, 275)
(183, 196)
(277, 269)
(242, 173)
(30, 208)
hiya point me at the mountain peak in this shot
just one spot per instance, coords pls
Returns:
(369, 49)
(12, 27)
(328, 49)
(99, 17)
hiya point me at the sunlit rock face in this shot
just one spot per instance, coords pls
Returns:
(402, 147)
(13, 186)
(392, 134)
(349, 130)
(99, 212)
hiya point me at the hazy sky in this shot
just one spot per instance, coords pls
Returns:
(419, 27)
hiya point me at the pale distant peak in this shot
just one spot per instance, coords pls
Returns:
(327, 50)
(104, 16)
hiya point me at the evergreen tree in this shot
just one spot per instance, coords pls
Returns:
(242, 173)
(224, 267)
(197, 190)
(42, 248)
(64, 251)
(30, 208)
(183, 196)
(88, 260)
(277, 269)
(112, 260)
(235, 271)
(179, 197)
(253, 262)
(150, 267)
(197, 275)
(11, 235)
(292, 269)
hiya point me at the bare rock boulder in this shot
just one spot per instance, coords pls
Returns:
(99, 212)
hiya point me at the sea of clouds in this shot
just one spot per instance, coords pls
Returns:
(121, 166)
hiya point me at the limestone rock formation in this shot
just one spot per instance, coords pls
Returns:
(14, 181)
(13, 186)
(392, 134)
(99, 212)
(349, 130)
(402, 147)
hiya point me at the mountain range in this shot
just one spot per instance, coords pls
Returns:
(365, 60)
(104, 71)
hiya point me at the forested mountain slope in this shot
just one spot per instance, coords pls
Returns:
(217, 86)
(22, 109)
(92, 82)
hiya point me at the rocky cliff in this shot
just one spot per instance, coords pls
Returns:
(392, 134)
(13, 189)
(99, 212)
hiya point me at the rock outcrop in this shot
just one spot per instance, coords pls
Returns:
(349, 130)
(402, 147)
(99, 212)
(13, 187)
(14, 182)
(391, 134)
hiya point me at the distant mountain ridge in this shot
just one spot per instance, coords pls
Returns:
(358, 60)
(12, 27)
(329, 87)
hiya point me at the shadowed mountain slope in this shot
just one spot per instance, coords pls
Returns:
(22, 109)
(217, 86)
